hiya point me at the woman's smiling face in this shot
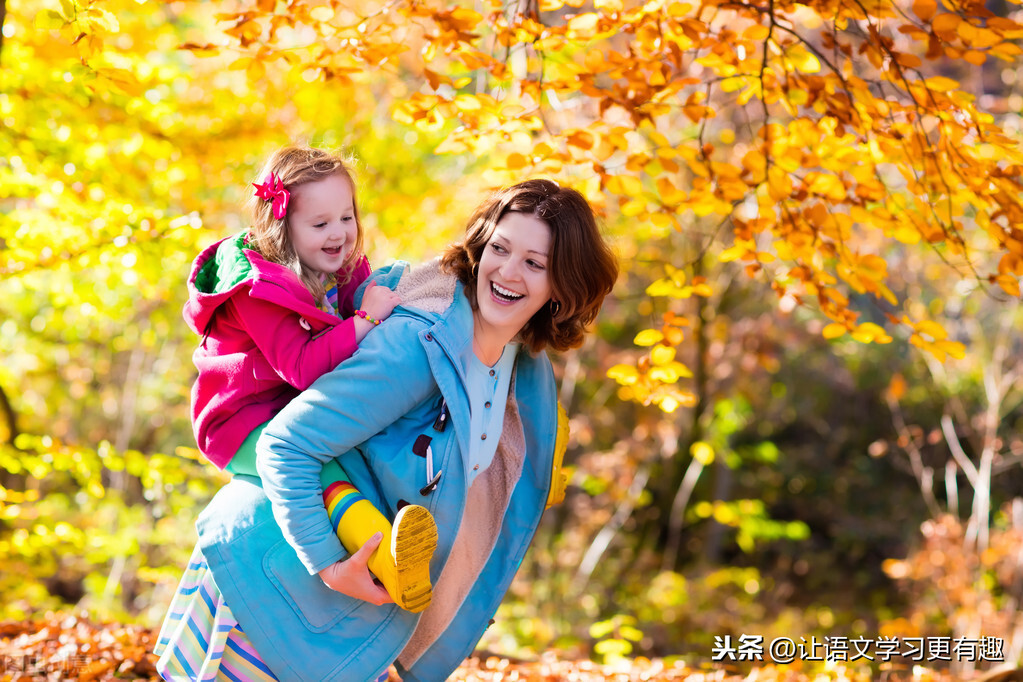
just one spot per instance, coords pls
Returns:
(513, 279)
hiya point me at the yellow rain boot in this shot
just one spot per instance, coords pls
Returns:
(402, 561)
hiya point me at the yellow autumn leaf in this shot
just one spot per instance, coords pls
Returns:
(670, 373)
(702, 452)
(668, 404)
(868, 332)
(96, 489)
(872, 266)
(754, 162)
(101, 19)
(123, 80)
(1006, 51)
(928, 347)
(662, 355)
(887, 294)
(735, 253)
(681, 369)
(583, 25)
(626, 185)
(734, 84)
(804, 60)
(779, 184)
(467, 103)
(834, 330)
(632, 207)
(826, 185)
(907, 233)
(931, 329)
(664, 287)
(662, 220)
(953, 348)
(623, 374)
(669, 193)
(664, 374)
(648, 337)
(980, 38)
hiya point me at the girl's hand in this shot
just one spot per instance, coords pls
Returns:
(352, 577)
(378, 301)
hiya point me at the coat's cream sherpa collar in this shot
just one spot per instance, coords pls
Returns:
(426, 287)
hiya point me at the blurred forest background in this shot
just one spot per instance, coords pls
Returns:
(801, 413)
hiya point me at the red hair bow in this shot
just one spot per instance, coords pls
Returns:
(273, 190)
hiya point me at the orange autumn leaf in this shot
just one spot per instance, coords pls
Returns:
(925, 9)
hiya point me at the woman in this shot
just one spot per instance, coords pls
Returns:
(450, 404)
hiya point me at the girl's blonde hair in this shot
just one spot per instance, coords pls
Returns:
(295, 166)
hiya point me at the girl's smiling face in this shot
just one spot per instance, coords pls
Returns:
(322, 224)
(513, 281)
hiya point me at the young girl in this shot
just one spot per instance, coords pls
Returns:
(274, 308)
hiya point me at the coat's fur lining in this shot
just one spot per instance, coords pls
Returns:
(485, 506)
(426, 287)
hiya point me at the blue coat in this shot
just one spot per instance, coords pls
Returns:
(368, 413)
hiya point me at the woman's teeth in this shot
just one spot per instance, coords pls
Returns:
(503, 293)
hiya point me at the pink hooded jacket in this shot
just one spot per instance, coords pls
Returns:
(264, 341)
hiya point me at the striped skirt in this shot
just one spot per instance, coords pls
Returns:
(200, 639)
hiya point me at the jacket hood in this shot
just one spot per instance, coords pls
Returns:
(426, 291)
(427, 288)
(435, 296)
(230, 265)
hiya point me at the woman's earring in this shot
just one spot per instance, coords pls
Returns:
(555, 308)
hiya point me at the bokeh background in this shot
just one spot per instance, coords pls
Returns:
(800, 413)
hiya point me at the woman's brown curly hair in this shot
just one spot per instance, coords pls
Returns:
(581, 266)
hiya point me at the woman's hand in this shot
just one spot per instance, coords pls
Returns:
(351, 576)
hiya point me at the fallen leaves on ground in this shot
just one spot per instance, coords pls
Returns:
(68, 647)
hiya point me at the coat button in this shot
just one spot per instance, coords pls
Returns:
(492, 372)
(487, 404)
(429, 336)
(476, 468)
(483, 437)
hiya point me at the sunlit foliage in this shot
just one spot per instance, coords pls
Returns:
(807, 199)
(811, 137)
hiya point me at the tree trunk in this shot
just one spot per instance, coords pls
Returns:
(3, 16)
(680, 490)
(10, 416)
